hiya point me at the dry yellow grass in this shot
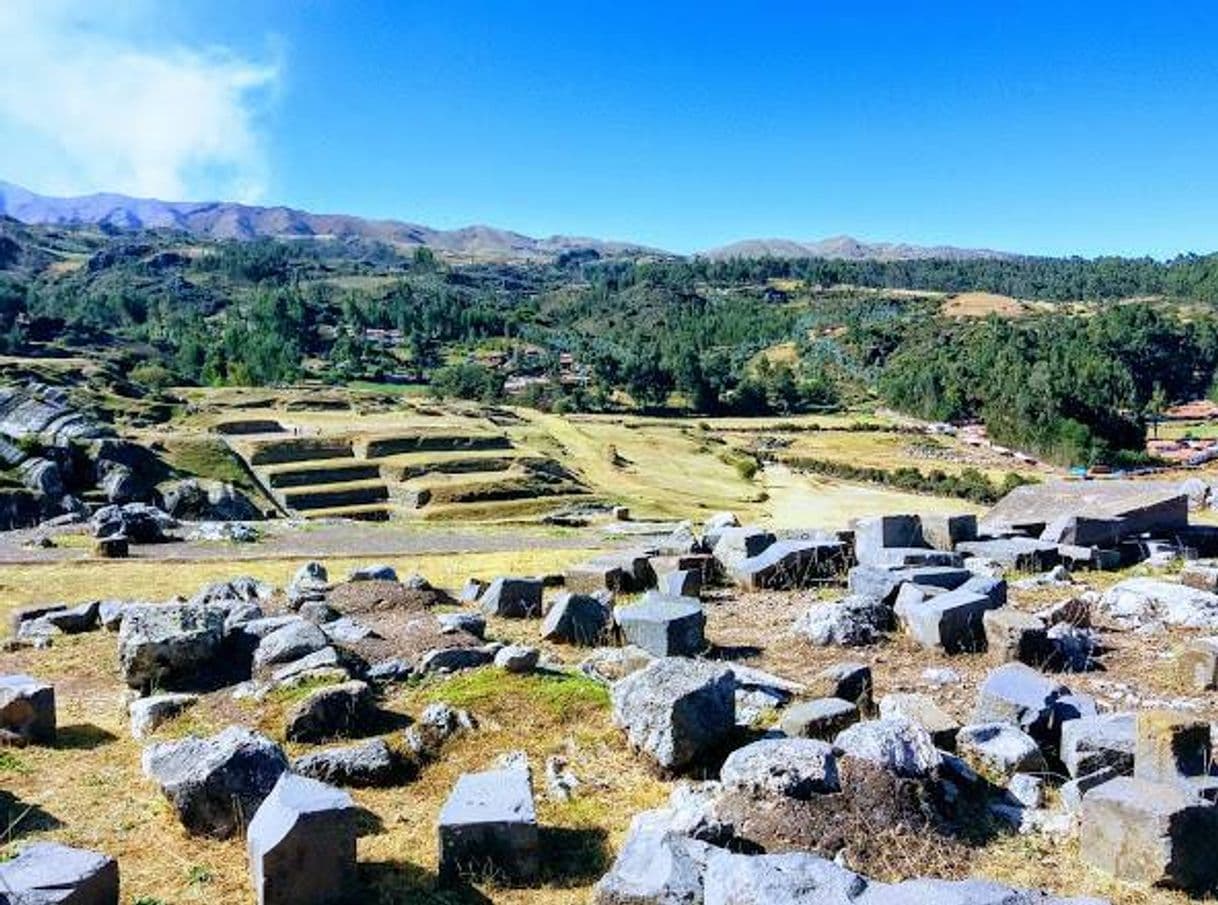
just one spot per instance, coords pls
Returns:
(982, 304)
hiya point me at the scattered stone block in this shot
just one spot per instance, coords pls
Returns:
(1147, 832)
(874, 535)
(735, 545)
(149, 714)
(681, 583)
(1170, 746)
(787, 767)
(896, 745)
(789, 564)
(301, 844)
(580, 619)
(664, 626)
(517, 658)
(1135, 602)
(626, 573)
(1197, 664)
(1084, 531)
(677, 711)
(512, 598)
(325, 659)
(1027, 790)
(654, 865)
(27, 709)
(853, 621)
(369, 764)
(921, 710)
(1023, 554)
(169, 647)
(951, 621)
(331, 712)
(780, 879)
(822, 718)
(999, 750)
(489, 825)
(378, 572)
(1072, 792)
(216, 783)
(944, 532)
(1094, 743)
(1200, 575)
(292, 641)
(454, 659)
(114, 547)
(47, 873)
(1012, 636)
(74, 620)
(846, 681)
(1019, 695)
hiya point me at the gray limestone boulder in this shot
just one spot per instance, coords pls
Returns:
(581, 619)
(899, 746)
(1093, 743)
(664, 626)
(470, 623)
(149, 714)
(169, 646)
(47, 873)
(290, 642)
(853, 621)
(517, 658)
(215, 784)
(921, 710)
(999, 750)
(489, 823)
(27, 709)
(786, 767)
(368, 764)
(331, 712)
(512, 598)
(1135, 602)
(789, 564)
(655, 866)
(1019, 695)
(301, 844)
(794, 878)
(822, 718)
(677, 711)
(378, 572)
(951, 622)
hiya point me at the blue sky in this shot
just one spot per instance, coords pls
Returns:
(1047, 128)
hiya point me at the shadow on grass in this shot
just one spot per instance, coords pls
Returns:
(391, 882)
(82, 737)
(734, 652)
(574, 857)
(17, 818)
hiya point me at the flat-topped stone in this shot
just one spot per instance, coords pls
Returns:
(27, 708)
(489, 821)
(47, 873)
(787, 564)
(1093, 743)
(951, 622)
(785, 767)
(822, 718)
(664, 626)
(1019, 695)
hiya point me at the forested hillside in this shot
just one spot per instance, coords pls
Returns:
(1111, 342)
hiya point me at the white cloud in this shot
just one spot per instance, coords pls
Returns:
(85, 106)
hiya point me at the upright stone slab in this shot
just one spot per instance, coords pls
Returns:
(1197, 664)
(1019, 695)
(735, 545)
(1171, 746)
(1013, 636)
(951, 622)
(681, 583)
(512, 598)
(872, 536)
(1148, 832)
(27, 708)
(789, 564)
(47, 873)
(581, 619)
(944, 532)
(301, 844)
(489, 825)
(664, 626)
(1094, 743)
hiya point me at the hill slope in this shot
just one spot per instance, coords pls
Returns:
(849, 249)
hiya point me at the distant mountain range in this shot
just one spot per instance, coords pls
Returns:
(228, 220)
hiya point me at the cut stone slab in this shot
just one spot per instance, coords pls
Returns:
(27, 709)
(786, 767)
(1197, 664)
(944, 532)
(896, 745)
(626, 573)
(680, 583)
(848, 681)
(517, 658)
(326, 658)
(580, 619)
(1171, 746)
(734, 545)
(790, 564)
(782, 879)
(999, 750)
(369, 764)
(301, 844)
(676, 711)
(655, 866)
(884, 583)
(216, 783)
(1019, 695)
(1012, 636)
(489, 824)
(664, 626)
(921, 710)
(874, 535)
(454, 659)
(149, 714)
(47, 873)
(75, 620)
(512, 598)
(1094, 743)
(1023, 554)
(1148, 832)
(1072, 792)
(169, 646)
(470, 623)
(331, 712)
(1084, 531)
(1200, 575)
(951, 622)
(822, 718)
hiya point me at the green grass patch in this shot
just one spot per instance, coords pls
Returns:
(563, 697)
(12, 763)
(211, 459)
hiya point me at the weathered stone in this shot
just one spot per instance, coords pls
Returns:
(580, 619)
(999, 750)
(676, 711)
(27, 709)
(735, 545)
(951, 621)
(822, 718)
(853, 621)
(149, 714)
(1095, 742)
(385, 672)
(517, 658)
(680, 583)
(489, 824)
(472, 590)
(368, 764)
(345, 630)
(664, 626)
(436, 725)
(110, 613)
(846, 681)
(47, 873)
(1137, 601)
(1200, 575)
(139, 523)
(1071, 793)
(883, 583)
(216, 783)
(1027, 790)
(326, 658)
(297, 639)
(1197, 664)
(1148, 832)
(455, 623)
(378, 572)
(873, 536)
(1170, 746)
(1023, 554)
(74, 620)
(626, 573)
(1017, 694)
(899, 746)
(301, 844)
(512, 598)
(655, 866)
(1083, 531)
(783, 879)
(1012, 636)
(944, 532)
(454, 659)
(330, 712)
(922, 711)
(318, 612)
(786, 767)
(681, 542)
(169, 646)
(788, 564)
